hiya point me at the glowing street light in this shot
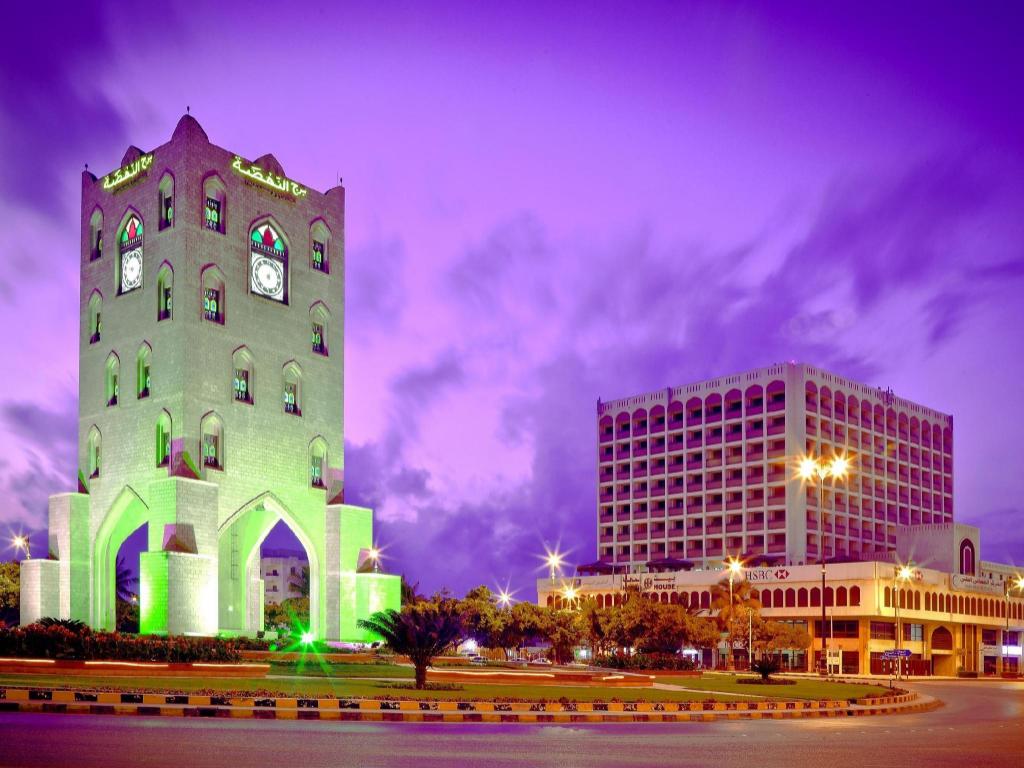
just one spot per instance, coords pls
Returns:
(504, 599)
(570, 594)
(554, 562)
(21, 543)
(308, 638)
(374, 556)
(1016, 583)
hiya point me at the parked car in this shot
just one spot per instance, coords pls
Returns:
(477, 660)
(541, 660)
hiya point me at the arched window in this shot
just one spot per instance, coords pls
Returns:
(791, 598)
(166, 201)
(777, 598)
(766, 599)
(319, 250)
(129, 266)
(95, 319)
(293, 389)
(801, 597)
(888, 597)
(163, 439)
(164, 292)
(854, 596)
(317, 462)
(93, 451)
(841, 597)
(244, 379)
(967, 557)
(143, 371)
(318, 317)
(213, 294)
(215, 205)
(212, 430)
(111, 388)
(829, 597)
(96, 235)
(268, 263)
(917, 600)
(815, 597)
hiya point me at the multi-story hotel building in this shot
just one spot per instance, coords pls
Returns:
(689, 476)
(700, 472)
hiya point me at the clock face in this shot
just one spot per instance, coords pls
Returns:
(131, 270)
(267, 277)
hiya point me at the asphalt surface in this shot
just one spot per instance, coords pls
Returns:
(982, 724)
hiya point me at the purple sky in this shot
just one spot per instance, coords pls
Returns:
(546, 206)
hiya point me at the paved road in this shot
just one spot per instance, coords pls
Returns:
(981, 725)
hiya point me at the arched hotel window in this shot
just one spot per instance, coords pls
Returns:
(243, 380)
(93, 451)
(129, 266)
(111, 387)
(164, 292)
(967, 557)
(319, 250)
(166, 201)
(163, 439)
(854, 596)
(293, 389)
(317, 462)
(801, 597)
(888, 598)
(212, 430)
(143, 366)
(213, 294)
(214, 204)
(95, 319)
(318, 319)
(766, 599)
(268, 263)
(791, 598)
(841, 597)
(96, 235)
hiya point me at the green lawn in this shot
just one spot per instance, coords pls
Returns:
(310, 680)
(803, 689)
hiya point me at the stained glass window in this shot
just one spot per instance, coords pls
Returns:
(97, 326)
(211, 450)
(131, 255)
(212, 214)
(316, 471)
(211, 305)
(265, 238)
(164, 312)
(291, 402)
(319, 342)
(144, 380)
(242, 386)
(97, 246)
(319, 256)
(166, 211)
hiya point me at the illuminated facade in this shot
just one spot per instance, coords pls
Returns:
(211, 398)
(701, 472)
(954, 613)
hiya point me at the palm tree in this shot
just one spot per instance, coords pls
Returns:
(420, 631)
(743, 601)
(124, 581)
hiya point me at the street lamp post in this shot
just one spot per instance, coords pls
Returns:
(903, 573)
(817, 470)
(554, 563)
(735, 568)
(1018, 584)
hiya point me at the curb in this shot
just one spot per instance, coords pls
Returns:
(170, 705)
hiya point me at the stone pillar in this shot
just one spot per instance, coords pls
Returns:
(40, 590)
(178, 594)
(69, 542)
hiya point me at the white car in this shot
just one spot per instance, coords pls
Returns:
(545, 662)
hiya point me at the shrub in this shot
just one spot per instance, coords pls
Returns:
(68, 641)
(766, 667)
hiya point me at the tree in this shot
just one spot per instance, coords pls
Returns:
(420, 631)
(742, 600)
(124, 581)
(775, 636)
(10, 592)
(480, 619)
(287, 617)
(596, 623)
(410, 593)
(564, 630)
(631, 620)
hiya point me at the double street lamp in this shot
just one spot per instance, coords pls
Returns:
(901, 575)
(735, 568)
(816, 470)
(21, 544)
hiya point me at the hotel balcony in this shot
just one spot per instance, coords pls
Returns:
(734, 528)
(606, 497)
(606, 539)
(733, 505)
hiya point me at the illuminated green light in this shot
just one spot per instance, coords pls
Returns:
(308, 638)
(123, 175)
(268, 178)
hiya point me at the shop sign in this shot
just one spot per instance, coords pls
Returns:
(767, 574)
(977, 584)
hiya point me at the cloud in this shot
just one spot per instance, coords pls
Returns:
(568, 322)
(374, 292)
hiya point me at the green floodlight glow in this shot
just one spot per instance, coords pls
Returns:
(308, 638)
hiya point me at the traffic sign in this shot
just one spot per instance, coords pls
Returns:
(896, 653)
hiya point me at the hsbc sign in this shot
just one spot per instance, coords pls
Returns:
(767, 574)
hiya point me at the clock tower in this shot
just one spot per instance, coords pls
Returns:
(211, 398)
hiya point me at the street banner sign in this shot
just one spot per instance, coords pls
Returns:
(896, 653)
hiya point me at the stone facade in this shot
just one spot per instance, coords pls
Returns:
(158, 389)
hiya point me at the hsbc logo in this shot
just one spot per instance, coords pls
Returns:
(781, 574)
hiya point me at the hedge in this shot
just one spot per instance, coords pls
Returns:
(82, 644)
(667, 661)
